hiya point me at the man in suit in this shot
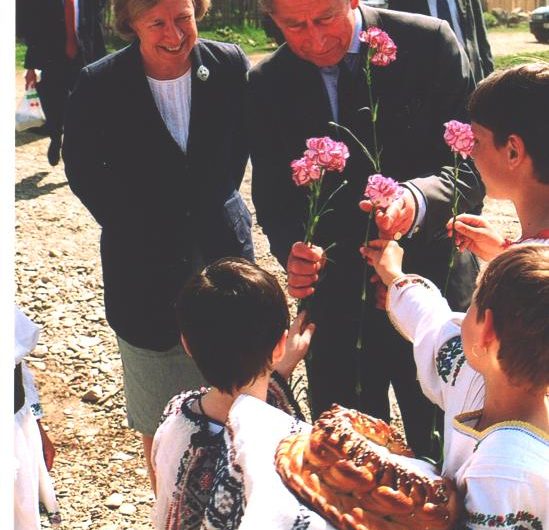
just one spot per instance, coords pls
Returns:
(317, 77)
(61, 36)
(465, 18)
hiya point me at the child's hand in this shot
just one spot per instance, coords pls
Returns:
(380, 292)
(386, 257)
(297, 345)
(475, 233)
(47, 447)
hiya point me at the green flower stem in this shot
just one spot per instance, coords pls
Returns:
(373, 112)
(455, 199)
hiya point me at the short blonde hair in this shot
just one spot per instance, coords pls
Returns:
(515, 286)
(126, 11)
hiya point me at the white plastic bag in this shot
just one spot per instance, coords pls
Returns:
(29, 112)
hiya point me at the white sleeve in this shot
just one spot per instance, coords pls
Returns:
(419, 312)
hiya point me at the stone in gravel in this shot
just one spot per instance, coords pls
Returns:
(120, 455)
(110, 526)
(88, 342)
(114, 501)
(127, 509)
(93, 395)
(40, 351)
(39, 365)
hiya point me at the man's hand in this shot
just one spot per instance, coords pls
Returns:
(297, 345)
(304, 264)
(475, 233)
(386, 257)
(30, 79)
(397, 218)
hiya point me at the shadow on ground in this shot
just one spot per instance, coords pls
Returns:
(28, 188)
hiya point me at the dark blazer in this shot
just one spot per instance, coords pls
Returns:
(158, 206)
(472, 26)
(426, 86)
(42, 25)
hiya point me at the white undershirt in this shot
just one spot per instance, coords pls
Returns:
(173, 100)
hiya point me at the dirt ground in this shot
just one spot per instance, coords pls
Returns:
(78, 370)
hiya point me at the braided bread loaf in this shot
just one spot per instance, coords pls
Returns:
(357, 472)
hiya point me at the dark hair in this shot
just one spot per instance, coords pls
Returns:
(232, 315)
(515, 286)
(516, 101)
(126, 11)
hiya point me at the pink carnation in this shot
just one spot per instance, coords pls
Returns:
(382, 191)
(459, 137)
(327, 153)
(378, 40)
(305, 170)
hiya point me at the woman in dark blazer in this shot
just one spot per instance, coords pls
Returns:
(155, 149)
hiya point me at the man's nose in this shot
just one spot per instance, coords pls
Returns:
(316, 38)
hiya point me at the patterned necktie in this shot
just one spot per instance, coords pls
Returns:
(71, 43)
(443, 12)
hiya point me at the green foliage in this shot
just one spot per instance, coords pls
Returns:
(490, 20)
(250, 39)
(505, 61)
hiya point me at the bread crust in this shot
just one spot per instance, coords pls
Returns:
(351, 470)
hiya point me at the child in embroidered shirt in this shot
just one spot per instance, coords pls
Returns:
(510, 120)
(489, 371)
(234, 320)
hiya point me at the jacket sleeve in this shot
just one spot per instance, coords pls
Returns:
(453, 83)
(88, 173)
(240, 148)
(484, 49)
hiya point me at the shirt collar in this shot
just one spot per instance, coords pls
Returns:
(354, 47)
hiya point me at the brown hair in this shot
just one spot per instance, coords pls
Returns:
(232, 316)
(515, 286)
(126, 11)
(516, 101)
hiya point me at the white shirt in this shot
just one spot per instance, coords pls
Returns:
(173, 100)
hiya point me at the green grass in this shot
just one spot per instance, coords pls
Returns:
(523, 26)
(250, 39)
(506, 61)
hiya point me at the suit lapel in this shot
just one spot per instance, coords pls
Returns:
(306, 102)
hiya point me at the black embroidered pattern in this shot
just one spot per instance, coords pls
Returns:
(450, 358)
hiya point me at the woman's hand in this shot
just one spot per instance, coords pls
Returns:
(30, 79)
(386, 258)
(475, 233)
(297, 345)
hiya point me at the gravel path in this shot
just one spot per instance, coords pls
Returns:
(99, 471)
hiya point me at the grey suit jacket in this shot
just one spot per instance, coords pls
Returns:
(472, 26)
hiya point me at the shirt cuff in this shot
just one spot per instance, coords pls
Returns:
(421, 209)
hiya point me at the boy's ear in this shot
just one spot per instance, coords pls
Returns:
(185, 346)
(279, 349)
(516, 150)
(488, 333)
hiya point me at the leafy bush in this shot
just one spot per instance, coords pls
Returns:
(490, 20)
